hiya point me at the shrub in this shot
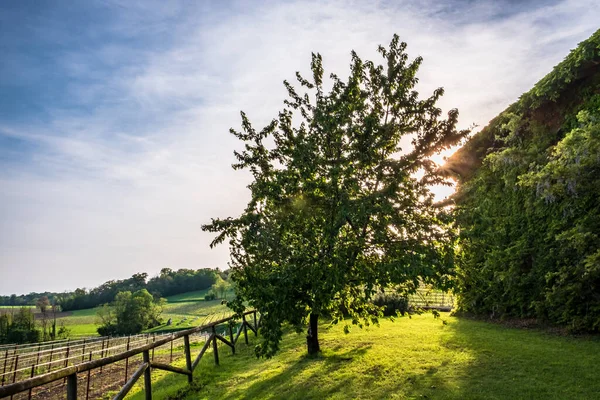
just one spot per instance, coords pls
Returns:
(210, 296)
(393, 303)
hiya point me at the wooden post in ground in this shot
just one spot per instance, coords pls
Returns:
(72, 387)
(51, 353)
(215, 345)
(37, 361)
(4, 369)
(188, 356)
(153, 340)
(83, 350)
(127, 359)
(171, 358)
(66, 362)
(32, 372)
(67, 356)
(245, 327)
(15, 370)
(102, 354)
(89, 375)
(231, 337)
(147, 377)
(255, 325)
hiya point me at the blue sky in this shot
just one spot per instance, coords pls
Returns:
(114, 115)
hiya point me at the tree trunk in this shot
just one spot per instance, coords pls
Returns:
(312, 339)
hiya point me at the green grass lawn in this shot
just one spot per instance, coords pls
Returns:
(80, 322)
(197, 295)
(418, 358)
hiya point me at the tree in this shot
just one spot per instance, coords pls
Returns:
(337, 210)
(220, 287)
(55, 309)
(130, 313)
(43, 304)
(19, 327)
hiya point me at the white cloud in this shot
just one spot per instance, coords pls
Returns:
(122, 184)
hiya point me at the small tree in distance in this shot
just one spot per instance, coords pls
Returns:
(220, 288)
(43, 304)
(130, 313)
(337, 212)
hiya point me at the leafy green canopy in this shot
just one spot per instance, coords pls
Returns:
(337, 210)
(130, 313)
(18, 327)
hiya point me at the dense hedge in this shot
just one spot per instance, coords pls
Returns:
(392, 303)
(528, 204)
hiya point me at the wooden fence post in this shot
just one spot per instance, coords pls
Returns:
(153, 340)
(66, 361)
(67, 356)
(89, 375)
(32, 372)
(172, 340)
(245, 327)
(37, 361)
(102, 354)
(127, 359)
(4, 370)
(16, 364)
(83, 350)
(231, 337)
(188, 356)
(147, 377)
(255, 325)
(215, 345)
(72, 387)
(51, 353)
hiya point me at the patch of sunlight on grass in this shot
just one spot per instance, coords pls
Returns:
(419, 357)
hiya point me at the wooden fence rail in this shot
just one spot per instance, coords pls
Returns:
(70, 372)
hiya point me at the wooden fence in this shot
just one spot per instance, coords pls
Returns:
(25, 361)
(428, 298)
(69, 374)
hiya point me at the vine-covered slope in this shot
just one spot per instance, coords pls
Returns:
(528, 201)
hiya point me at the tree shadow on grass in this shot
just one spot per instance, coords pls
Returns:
(300, 379)
(463, 359)
(512, 363)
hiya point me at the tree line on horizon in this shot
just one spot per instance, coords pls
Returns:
(167, 283)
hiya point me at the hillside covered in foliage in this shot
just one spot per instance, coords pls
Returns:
(528, 202)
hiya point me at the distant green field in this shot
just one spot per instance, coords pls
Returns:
(187, 310)
(189, 296)
(80, 322)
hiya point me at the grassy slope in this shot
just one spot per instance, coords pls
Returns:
(408, 358)
(80, 322)
(189, 309)
(198, 295)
